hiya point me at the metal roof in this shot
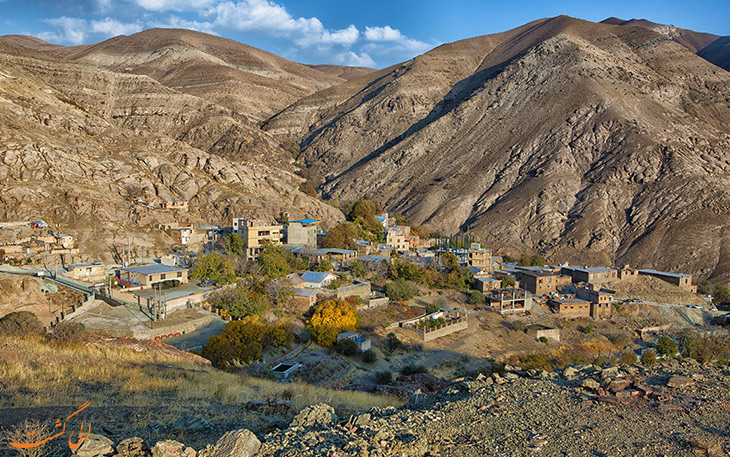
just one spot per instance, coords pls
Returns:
(153, 269)
(664, 273)
(305, 292)
(306, 221)
(315, 276)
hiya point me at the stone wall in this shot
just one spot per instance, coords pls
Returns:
(446, 329)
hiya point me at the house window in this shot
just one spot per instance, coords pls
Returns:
(163, 276)
(179, 274)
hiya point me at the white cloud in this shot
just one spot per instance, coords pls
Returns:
(176, 22)
(272, 19)
(69, 30)
(176, 5)
(352, 59)
(111, 27)
(383, 34)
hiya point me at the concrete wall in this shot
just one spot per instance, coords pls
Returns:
(438, 332)
(361, 290)
(374, 303)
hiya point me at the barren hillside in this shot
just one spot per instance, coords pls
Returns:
(552, 137)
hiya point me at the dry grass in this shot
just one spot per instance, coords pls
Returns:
(39, 374)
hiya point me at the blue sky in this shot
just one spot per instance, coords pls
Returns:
(376, 33)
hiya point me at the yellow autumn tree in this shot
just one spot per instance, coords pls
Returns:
(330, 318)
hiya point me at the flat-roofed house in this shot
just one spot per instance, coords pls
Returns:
(541, 281)
(87, 271)
(681, 280)
(570, 307)
(302, 232)
(487, 283)
(255, 233)
(147, 275)
(596, 275)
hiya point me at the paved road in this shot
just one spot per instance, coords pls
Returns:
(197, 339)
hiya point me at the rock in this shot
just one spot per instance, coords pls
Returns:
(570, 372)
(317, 415)
(191, 425)
(678, 382)
(238, 443)
(362, 419)
(95, 445)
(591, 384)
(133, 447)
(171, 448)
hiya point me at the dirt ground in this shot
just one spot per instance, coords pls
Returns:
(23, 293)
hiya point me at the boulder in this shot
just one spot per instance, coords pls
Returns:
(237, 443)
(171, 448)
(191, 425)
(678, 382)
(570, 372)
(591, 384)
(317, 415)
(94, 446)
(133, 447)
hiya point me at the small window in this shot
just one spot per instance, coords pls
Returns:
(163, 276)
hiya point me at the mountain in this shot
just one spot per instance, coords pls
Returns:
(95, 151)
(554, 137)
(710, 47)
(242, 78)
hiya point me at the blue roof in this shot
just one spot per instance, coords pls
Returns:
(79, 265)
(153, 269)
(314, 276)
(381, 219)
(306, 221)
(305, 292)
(325, 251)
(373, 258)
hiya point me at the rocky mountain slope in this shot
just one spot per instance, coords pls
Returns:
(554, 137)
(95, 151)
(247, 80)
(710, 47)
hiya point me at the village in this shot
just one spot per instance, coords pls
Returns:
(421, 302)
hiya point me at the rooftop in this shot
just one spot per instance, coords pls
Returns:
(185, 290)
(306, 221)
(305, 292)
(315, 276)
(153, 269)
(664, 273)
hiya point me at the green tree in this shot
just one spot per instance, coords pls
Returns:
(213, 267)
(358, 269)
(239, 302)
(400, 289)
(648, 357)
(392, 343)
(508, 281)
(324, 266)
(341, 236)
(721, 295)
(243, 341)
(232, 244)
(476, 298)
(667, 346)
(273, 262)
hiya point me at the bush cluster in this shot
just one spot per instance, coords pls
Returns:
(331, 318)
(244, 340)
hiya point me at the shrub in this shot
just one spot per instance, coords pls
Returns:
(508, 281)
(518, 326)
(648, 357)
(413, 369)
(543, 339)
(401, 289)
(20, 323)
(431, 308)
(330, 318)
(239, 301)
(369, 356)
(243, 341)
(587, 329)
(384, 377)
(627, 358)
(392, 342)
(667, 346)
(67, 332)
(213, 267)
(346, 347)
(476, 298)
(620, 340)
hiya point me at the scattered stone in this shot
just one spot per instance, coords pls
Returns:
(191, 425)
(133, 447)
(320, 415)
(172, 448)
(570, 372)
(95, 446)
(678, 382)
(591, 384)
(239, 443)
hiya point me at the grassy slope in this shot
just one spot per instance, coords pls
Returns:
(126, 372)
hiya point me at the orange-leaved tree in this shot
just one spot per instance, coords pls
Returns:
(330, 318)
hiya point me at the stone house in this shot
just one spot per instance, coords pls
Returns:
(683, 281)
(147, 275)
